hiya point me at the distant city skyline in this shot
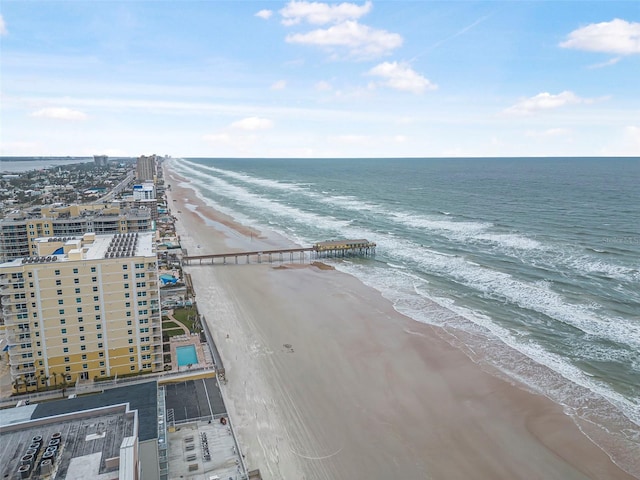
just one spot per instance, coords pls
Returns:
(320, 79)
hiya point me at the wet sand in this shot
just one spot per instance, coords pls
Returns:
(327, 381)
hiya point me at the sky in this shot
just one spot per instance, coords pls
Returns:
(305, 79)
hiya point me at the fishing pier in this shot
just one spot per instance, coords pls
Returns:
(332, 248)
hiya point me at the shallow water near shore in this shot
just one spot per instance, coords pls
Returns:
(531, 265)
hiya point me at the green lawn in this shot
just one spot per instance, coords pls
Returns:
(186, 316)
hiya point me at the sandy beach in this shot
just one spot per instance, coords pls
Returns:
(327, 381)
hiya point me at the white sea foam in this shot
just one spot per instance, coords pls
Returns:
(398, 287)
(463, 232)
(263, 182)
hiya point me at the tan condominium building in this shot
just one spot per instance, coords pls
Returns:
(82, 308)
(19, 231)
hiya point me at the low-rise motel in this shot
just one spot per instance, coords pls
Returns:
(84, 307)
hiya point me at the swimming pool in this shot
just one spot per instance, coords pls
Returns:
(186, 355)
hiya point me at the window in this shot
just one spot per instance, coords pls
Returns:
(102, 373)
(129, 322)
(99, 336)
(96, 298)
(133, 367)
(93, 269)
(85, 366)
(79, 309)
(66, 359)
(131, 350)
(124, 267)
(98, 326)
(101, 354)
(62, 321)
(98, 317)
(76, 280)
(84, 356)
(80, 319)
(78, 300)
(59, 292)
(75, 270)
(95, 289)
(128, 314)
(130, 332)
(102, 364)
(132, 359)
(94, 279)
(81, 329)
(127, 304)
(65, 350)
(131, 340)
(82, 338)
(67, 369)
(83, 347)
(126, 295)
(126, 285)
(77, 290)
(64, 340)
(61, 311)
(64, 330)
(58, 283)
(61, 302)
(56, 272)
(125, 276)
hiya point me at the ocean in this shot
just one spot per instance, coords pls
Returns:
(531, 266)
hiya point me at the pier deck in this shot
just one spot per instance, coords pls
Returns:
(333, 248)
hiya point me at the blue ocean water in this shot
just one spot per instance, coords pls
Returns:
(531, 265)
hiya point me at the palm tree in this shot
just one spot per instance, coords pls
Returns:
(16, 385)
(55, 379)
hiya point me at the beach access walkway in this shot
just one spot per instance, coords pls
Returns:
(332, 248)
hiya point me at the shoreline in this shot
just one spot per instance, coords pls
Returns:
(397, 398)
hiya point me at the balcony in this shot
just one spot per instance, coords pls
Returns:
(21, 370)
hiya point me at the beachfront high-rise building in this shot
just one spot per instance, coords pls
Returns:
(83, 308)
(144, 191)
(146, 168)
(100, 160)
(19, 231)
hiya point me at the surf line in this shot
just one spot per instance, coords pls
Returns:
(316, 458)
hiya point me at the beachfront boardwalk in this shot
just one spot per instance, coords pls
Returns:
(332, 248)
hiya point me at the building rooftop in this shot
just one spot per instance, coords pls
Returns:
(87, 444)
(142, 397)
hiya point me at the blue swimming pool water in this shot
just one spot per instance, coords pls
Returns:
(186, 355)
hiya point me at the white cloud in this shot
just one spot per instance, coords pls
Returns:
(400, 138)
(323, 86)
(253, 123)
(219, 138)
(550, 132)
(60, 113)
(546, 101)
(279, 85)
(318, 13)
(3, 26)
(265, 14)
(632, 134)
(608, 63)
(400, 76)
(360, 40)
(617, 36)
(351, 139)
